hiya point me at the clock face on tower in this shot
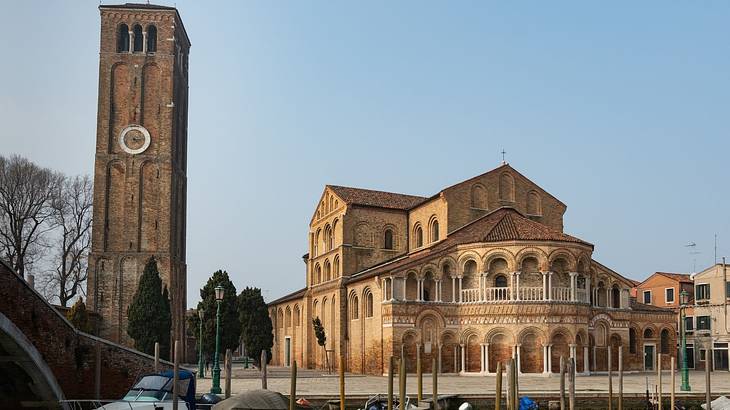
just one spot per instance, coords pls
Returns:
(134, 139)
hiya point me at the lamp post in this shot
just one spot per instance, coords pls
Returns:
(683, 299)
(201, 368)
(216, 387)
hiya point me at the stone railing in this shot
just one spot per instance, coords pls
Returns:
(531, 293)
(561, 294)
(470, 295)
(581, 295)
(497, 294)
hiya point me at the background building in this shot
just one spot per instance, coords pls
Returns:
(473, 275)
(708, 319)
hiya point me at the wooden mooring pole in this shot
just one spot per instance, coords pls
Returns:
(264, 382)
(229, 370)
(659, 380)
(342, 382)
(571, 388)
(562, 382)
(419, 374)
(610, 380)
(708, 395)
(498, 388)
(516, 375)
(674, 380)
(435, 376)
(402, 382)
(621, 378)
(157, 357)
(391, 369)
(293, 388)
(176, 375)
(510, 385)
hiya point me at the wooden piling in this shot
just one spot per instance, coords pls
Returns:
(229, 369)
(562, 382)
(571, 379)
(391, 369)
(671, 391)
(498, 388)
(293, 388)
(264, 381)
(97, 372)
(342, 382)
(516, 375)
(510, 386)
(620, 378)
(419, 374)
(435, 385)
(175, 375)
(659, 380)
(708, 394)
(402, 382)
(610, 380)
(157, 357)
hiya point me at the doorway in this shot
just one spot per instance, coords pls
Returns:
(649, 350)
(720, 356)
(287, 351)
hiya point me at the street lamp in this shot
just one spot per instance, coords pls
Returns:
(216, 388)
(201, 368)
(683, 300)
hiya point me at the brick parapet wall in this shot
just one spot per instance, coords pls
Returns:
(68, 352)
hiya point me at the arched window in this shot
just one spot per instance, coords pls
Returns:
(616, 297)
(664, 342)
(354, 313)
(368, 304)
(648, 333)
(316, 242)
(418, 233)
(336, 267)
(388, 240)
(317, 274)
(123, 39)
(478, 197)
(534, 206)
(328, 238)
(500, 281)
(632, 340)
(327, 271)
(506, 187)
(151, 38)
(138, 38)
(434, 231)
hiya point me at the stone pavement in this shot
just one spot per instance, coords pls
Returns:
(311, 383)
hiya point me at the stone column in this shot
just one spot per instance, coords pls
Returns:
(463, 358)
(586, 368)
(385, 289)
(419, 290)
(144, 42)
(517, 284)
(572, 286)
(453, 289)
(550, 359)
(545, 355)
(588, 289)
(131, 42)
(437, 285)
(550, 285)
(404, 279)
(481, 358)
(544, 286)
(486, 358)
(517, 358)
(608, 296)
(461, 298)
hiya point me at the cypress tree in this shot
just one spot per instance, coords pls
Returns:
(256, 328)
(230, 327)
(149, 317)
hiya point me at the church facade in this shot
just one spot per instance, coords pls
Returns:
(471, 276)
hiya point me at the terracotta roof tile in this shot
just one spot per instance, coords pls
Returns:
(294, 295)
(679, 277)
(380, 199)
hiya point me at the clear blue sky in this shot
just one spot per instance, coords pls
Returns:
(621, 110)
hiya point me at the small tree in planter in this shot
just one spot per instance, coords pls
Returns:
(321, 339)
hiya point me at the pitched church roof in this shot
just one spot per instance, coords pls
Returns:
(380, 199)
(503, 224)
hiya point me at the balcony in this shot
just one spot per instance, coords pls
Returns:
(523, 294)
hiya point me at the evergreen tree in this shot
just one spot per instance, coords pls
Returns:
(79, 316)
(230, 332)
(321, 339)
(256, 328)
(149, 316)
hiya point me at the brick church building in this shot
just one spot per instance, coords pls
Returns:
(473, 275)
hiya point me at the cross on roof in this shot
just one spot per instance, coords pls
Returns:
(503, 160)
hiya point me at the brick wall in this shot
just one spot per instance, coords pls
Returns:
(69, 353)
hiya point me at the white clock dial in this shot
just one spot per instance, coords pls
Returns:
(134, 139)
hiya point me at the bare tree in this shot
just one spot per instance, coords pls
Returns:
(71, 214)
(26, 194)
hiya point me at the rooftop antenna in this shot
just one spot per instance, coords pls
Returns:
(715, 249)
(693, 251)
(503, 160)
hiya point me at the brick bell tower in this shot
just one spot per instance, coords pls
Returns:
(140, 181)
